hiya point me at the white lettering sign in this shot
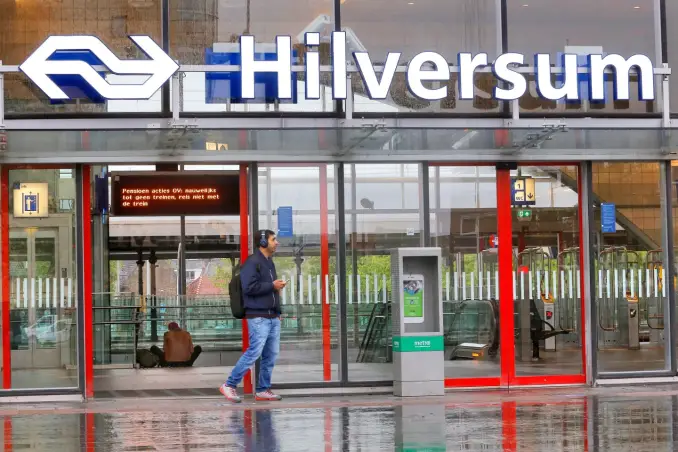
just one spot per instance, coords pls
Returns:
(423, 67)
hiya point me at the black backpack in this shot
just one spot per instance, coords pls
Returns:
(235, 291)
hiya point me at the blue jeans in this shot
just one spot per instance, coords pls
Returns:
(264, 337)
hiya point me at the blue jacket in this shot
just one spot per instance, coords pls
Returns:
(256, 277)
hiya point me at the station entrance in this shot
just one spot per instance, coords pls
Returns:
(513, 315)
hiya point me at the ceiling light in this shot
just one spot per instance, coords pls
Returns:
(636, 7)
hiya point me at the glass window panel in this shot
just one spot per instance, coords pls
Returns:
(42, 278)
(203, 32)
(462, 227)
(630, 278)
(547, 276)
(582, 26)
(26, 25)
(298, 259)
(445, 27)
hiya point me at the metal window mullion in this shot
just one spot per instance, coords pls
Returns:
(588, 289)
(253, 209)
(341, 270)
(2, 99)
(424, 204)
(668, 262)
(80, 272)
(503, 41)
(336, 18)
(165, 34)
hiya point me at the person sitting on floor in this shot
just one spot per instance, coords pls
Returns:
(178, 348)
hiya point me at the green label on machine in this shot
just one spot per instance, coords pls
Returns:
(418, 344)
(413, 297)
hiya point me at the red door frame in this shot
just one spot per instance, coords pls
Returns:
(508, 375)
(88, 390)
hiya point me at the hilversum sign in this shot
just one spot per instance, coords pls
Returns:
(421, 69)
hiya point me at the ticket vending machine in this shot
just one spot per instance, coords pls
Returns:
(550, 317)
(418, 342)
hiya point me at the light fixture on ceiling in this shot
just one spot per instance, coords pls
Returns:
(636, 7)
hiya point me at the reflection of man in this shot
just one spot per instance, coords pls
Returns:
(178, 348)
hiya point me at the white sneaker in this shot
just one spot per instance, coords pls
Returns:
(230, 394)
(267, 396)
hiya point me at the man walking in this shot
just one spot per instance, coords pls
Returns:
(261, 294)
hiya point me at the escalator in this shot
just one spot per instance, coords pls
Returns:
(376, 344)
(629, 226)
(471, 331)
(470, 321)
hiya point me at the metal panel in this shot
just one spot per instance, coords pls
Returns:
(479, 156)
(295, 122)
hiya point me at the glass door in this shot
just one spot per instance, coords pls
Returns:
(40, 299)
(511, 283)
(39, 290)
(464, 224)
(546, 275)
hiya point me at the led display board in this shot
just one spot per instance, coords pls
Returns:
(175, 193)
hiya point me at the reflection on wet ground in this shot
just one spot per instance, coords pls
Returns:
(615, 420)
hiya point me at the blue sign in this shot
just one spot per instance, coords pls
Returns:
(608, 217)
(224, 87)
(285, 222)
(74, 85)
(30, 203)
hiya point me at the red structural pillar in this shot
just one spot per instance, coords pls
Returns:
(325, 271)
(505, 234)
(4, 230)
(244, 253)
(87, 283)
(585, 294)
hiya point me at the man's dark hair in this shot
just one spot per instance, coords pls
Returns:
(267, 233)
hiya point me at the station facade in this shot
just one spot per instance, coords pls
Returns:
(124, 208)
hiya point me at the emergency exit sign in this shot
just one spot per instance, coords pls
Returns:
(524, 213)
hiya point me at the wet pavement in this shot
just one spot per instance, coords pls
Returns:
(641, 418)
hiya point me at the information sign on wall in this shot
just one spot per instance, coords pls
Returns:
(176, 193)
(523, 192)
(31, 200)
(608, 218)
(285, 222)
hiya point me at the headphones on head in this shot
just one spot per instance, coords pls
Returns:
(263, 243)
